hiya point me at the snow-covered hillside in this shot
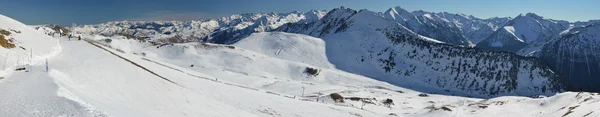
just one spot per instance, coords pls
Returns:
(293, 47)
(575, 55)
(21, 45)
(361, 42)
(223, 30)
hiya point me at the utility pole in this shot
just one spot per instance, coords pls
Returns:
(30, 61)
(363, 105)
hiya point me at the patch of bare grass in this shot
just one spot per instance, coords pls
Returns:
(4, 40)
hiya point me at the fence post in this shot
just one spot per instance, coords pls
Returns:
(46, 64)
(5, 60)
(302, 91)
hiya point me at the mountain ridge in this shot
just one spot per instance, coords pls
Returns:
(392, 52)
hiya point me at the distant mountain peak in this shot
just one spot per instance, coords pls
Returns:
(530, 14)
(398, 7)
(533, 15)
(315, 10)
(296, 11)
(342, 11)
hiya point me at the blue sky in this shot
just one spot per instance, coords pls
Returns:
(65, 12)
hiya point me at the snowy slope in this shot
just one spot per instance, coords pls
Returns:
(363, 43)
(103, 84)
(293, 47)
(574, 55)
(189, 94)
(23, 45)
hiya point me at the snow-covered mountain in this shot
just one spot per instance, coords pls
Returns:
(575, 55)
(524, 34)
(223, 30)
(364, 43)
(459, 29)
(51, 29)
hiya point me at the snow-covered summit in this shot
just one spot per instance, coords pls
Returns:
(398, 14)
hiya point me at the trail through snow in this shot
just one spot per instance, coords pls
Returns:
(36, 96)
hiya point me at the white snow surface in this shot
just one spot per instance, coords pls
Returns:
(249, 80)
(32, 46)
(293, 47)
(511, 30)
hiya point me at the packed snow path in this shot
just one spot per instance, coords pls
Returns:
(35, 96)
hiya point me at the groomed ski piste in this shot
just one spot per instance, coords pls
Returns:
(262, 75)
